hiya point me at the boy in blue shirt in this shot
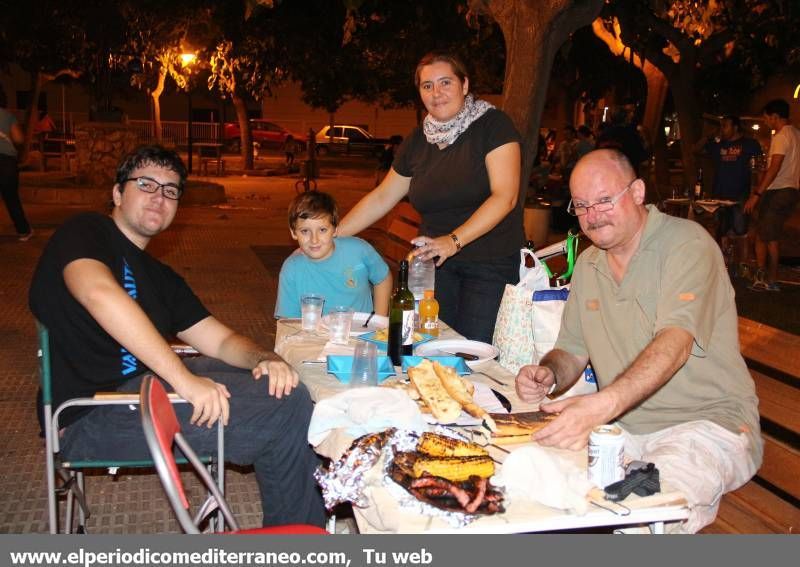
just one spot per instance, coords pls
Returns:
(344, 270)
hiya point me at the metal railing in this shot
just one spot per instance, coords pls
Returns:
(176, 132)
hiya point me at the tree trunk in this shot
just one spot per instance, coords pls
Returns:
(156, 96)
(32, 115)
(657, 87)
(534, 31)
(246, 137)
(656, 81)
(661, 181)
(689, 116)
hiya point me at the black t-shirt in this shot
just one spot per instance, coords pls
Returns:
(732, 161)
(448, 185)
(84, 359)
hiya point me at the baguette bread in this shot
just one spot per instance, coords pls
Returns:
(443, 407)
(457, 390)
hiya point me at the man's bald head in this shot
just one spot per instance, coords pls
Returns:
(604, 176)
(606, 158)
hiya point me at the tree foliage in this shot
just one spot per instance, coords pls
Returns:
(732, 44)
(244, 63)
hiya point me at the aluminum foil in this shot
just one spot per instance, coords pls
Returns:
(345, 480)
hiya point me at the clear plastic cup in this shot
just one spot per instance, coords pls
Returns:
(340, 319)
(311, 310)
(365, 365)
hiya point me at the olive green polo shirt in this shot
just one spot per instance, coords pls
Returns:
(676, 278)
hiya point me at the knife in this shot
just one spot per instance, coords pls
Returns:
(502, 399)
(464, 355)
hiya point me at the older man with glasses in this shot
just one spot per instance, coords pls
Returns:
(110, 307)
(652, 308)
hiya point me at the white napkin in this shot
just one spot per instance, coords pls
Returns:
(330, 348)
(538, 474)
(364, 410)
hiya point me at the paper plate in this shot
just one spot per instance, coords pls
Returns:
(340, 365)
(485, 352)
(455, 361)
(376, 322)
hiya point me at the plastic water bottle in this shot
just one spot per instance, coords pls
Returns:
(421, 276)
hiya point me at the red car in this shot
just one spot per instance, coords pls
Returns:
(267, 134)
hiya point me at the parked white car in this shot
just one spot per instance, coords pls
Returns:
(348, 139)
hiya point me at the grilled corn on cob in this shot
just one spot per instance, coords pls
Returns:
(455, 469)
(441, 446)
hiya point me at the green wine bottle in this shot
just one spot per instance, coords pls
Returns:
(401, 319)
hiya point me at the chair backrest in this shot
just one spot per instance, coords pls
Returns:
(402, 225)
(162, 431)
(165, 427)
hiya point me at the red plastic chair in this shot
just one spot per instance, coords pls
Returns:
(162, 431)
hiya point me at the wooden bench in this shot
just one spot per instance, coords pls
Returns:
(392, 235)
(770, 503)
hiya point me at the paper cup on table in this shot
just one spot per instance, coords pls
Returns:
(340, 319)
(365, 365)
(311, 310)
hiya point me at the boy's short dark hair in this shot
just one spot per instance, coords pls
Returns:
(313, 205)
(152, 155)
(777, 106)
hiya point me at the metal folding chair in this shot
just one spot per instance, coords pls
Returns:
(162, 431)
(65, 479)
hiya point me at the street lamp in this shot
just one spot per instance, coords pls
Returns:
(187, 59)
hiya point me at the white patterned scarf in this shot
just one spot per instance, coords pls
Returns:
(447, 132)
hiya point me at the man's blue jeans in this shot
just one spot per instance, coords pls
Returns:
(262, 431)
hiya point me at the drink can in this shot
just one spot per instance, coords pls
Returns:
(606, 454)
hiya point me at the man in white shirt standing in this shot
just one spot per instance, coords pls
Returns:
(777, 194)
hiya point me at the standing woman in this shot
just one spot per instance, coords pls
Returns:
(10, 137)
(461, 171)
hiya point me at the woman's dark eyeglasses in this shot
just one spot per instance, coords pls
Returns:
(148, 185)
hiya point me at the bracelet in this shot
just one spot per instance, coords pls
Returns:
(456, 240)
(757, 194)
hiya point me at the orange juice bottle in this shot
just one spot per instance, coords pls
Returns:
(429, 314)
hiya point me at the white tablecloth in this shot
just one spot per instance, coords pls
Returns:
(384, 514)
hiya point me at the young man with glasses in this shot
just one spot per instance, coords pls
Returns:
(652, 307)
(110, 306)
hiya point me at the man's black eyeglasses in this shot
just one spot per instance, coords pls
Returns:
(148, 185)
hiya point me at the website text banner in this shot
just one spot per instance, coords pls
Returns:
(394, 551)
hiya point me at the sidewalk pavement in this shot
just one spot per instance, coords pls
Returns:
(212, 247)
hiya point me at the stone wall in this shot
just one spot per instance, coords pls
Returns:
(98, 149)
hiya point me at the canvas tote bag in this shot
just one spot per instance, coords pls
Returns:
(529, 320)
(514, 328)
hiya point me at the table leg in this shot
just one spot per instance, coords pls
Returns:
(657, 528)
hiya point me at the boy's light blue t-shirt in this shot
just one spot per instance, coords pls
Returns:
(343, 278)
